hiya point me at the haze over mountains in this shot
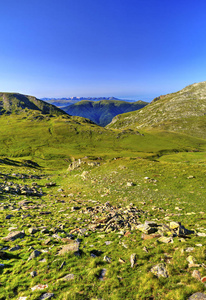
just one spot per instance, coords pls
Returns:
(61, 102)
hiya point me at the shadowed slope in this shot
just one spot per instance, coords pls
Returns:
(102, 112)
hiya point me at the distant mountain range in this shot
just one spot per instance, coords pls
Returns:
(60, 102)
(102, 112)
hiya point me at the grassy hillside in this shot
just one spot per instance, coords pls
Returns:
(50, 140)
(183, 111)
(15, 103)
(97, 210)
(102, 112)
(91, 213)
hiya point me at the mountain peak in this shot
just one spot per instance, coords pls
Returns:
(15, 103)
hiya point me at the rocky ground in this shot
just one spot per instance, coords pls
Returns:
(56, 241)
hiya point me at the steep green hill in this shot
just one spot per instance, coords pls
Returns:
(183, 111)
(102, 112)
(15, 103)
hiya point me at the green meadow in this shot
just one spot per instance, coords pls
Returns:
(124, 176)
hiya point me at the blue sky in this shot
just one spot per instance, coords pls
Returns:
(134, 49)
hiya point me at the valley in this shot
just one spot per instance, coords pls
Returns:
(88, 212)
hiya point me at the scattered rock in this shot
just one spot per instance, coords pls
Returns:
(68, 277)
(107, 259)
(17, 247)
(12, 236)
(49, 184)
(165, 239)
(150, 236)
(34, 254)
(48, 241)
(46, 296)
(108, 243)
(196, 275)
(102, 274)
(73, 247)
(190, 177)
(197, 296)
(33, 273)
(191, 262)
(32, 230)
(159, 270)
(39, 287)
(202, 234)
(146, 229)
(189, 249)
(8, 217)
(133, 259)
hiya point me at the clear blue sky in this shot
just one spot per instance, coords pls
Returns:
(134, 49)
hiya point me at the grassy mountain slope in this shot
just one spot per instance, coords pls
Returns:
(14, 103)
(50, 140)
(156, 176)
(102, 112)
(183, 111)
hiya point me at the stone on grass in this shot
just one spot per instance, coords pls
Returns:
(159, 270)
(8, 217)
(165, 239)
(12, 236)
(174, 225)
(102, 274)
(33, 273)
(129, 183)
(68, 277)
(32, 230)
(145, 228)
(34, 254)
(39, 287)
(122, 261)
(70, 248)
(107, 259)
(202, 234)
(133, 259)
(17, 247)
(189, 249)
(150, 236)
(46, 296)
(197, 296)
(196, 275)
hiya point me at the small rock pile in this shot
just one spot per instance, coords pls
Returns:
(110, 218)
(164, 233)
(20, 189)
